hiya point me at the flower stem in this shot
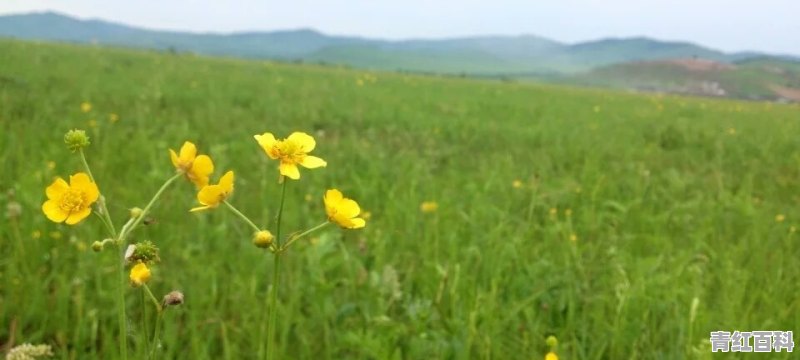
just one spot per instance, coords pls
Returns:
(159, 312)
(144, 324)
(123, 331)
(245, 218)
(141, 217)
(154, 343)
(294, 238)
(102, 201)
(273, 298)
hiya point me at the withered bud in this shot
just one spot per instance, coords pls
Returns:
(174, 298)
(13, 210)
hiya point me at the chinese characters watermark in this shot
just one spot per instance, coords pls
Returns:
(751, 341)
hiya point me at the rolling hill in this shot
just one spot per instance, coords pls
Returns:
(518, 56)
(754, 79)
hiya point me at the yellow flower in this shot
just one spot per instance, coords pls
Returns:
(112, 118)
(551, 356)
(140, 274)
(780, 218)
(213, 195)
(516, 184)
(196, 168)
(342, 211)
(428, 206)
(86, 106)
(71, 202)
(291, 152)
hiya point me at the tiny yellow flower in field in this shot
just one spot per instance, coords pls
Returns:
(197, 168)
(366, 215)
(551, 356)
(86, 106)
(36, 234)
(210, 196)
(55, 235)
(573, 238)
(780, 218)
(51, 165)
(291, 152)
(568, 212)
(792, 229)
(553, 211)
(140, 274)
(113, 118)
(517, 184)
(92, 123)
(71, 202)
(731, 131)
(428, 207)
(342, 211)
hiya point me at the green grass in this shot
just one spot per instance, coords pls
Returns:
(666, 206)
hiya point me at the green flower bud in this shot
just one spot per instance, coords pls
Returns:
(136, 212)
(263, 239)
(76, 140)
(97, 246)
(551, 342)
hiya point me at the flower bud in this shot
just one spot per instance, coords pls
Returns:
(174, 298)
(551, 342)
(136, 212)
(76, 140)
(97, 246)
(263, 239)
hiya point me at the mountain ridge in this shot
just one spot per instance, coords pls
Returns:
(473, 55)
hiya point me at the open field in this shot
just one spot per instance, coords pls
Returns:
(629, 226)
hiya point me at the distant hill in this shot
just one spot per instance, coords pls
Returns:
(516, 56)
(761, 78)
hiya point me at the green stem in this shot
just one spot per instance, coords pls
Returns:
(123, 331)
(144, 324)
(294, 238)
(102, 200)
(159, 319)
(245, 218)
(141, 217)
(152, 297)
(273, 298)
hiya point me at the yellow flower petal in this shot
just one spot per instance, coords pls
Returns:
(174, 157)
(348, 208)
(76, 217)
(333, 196)
(202, 167)
(200, 208)
(188, 153)
(226, 182)
(211, 195)
(267, 142)
(140, 274)
(305, 142)
(312, 162)
(357, 223)
(83, 183)
(53, 211)
(58, 187)
(290, 170)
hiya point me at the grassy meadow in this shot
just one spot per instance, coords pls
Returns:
(628, 226)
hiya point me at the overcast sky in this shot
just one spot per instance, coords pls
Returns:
(731, 25)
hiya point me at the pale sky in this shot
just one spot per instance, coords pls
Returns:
(730, 25)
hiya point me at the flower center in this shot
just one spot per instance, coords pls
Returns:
(72, 201)
(290, 151)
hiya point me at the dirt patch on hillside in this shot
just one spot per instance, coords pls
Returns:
(785, 92)
(700, 64)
